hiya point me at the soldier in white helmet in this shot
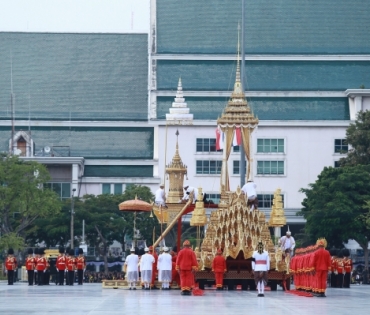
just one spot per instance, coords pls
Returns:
(146, 267)
(165, 268)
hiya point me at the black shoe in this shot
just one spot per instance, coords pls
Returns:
(133, 288)
(183, 293)
(259, 295)
(262, 295)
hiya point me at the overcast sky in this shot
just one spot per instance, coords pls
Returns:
(81, 16)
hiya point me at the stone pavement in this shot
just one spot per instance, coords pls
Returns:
(91, 299)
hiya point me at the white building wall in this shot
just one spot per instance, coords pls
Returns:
(308, 149)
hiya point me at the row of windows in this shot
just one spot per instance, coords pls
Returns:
(114, 189)
(207, 145)
(206, 167)
(62, 189)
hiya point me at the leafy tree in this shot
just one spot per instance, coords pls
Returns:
(11, 240)
(358, 136)
(22, 196)
(334, 206)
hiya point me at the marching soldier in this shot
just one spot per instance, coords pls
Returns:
(71, 267)
(81, 265)
(340, 269)
(37, 256)
(47, 272)
(61, 265)
(41, 266)
(30, 266)
(348, 265)
(322, 265)
(10, 265)
(219, 268)
(334, 271)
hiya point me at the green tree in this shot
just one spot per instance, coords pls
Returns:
(358, 137)
(334, 206)
(22, 196)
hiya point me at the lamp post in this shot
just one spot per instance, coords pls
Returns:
(72, 217)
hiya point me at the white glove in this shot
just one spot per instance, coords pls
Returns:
(44, 271)
(57, 270)
(35, 271)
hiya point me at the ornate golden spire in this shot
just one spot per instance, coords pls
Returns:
(237, 111)
(176, 171)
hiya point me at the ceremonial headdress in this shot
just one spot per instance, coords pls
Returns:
(346, 252)
(10, 251)
(166, 249)
(30, 251)
(146, 249)
(288, 232)
(61, 250)
(321, 242)
(186, 243)
(36, 251)
(80, 251)
(71, 252)
(42, 251)
(161, 185)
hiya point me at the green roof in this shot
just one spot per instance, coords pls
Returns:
(266, 108)
(279, 26)
(89, 142)
(75, 76)
(264, 75)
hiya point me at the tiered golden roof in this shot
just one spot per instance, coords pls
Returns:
(236, 229)
(277, 217)
(237, 112)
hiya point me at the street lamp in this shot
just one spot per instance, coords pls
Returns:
(72, 214)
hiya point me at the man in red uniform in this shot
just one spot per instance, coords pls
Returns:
(71, 267)
(175, 273)
(154, 270)
(81, 265)
(10, 265)
(219, 268)
(186, 263)
(322, 265)
(340, 269)
(30, 266)
(348, 265)
(41, 266)
(61, 265)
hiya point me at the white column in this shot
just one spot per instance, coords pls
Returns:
(355, 105)
(75, 177)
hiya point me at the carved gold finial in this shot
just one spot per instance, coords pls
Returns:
(277, 216)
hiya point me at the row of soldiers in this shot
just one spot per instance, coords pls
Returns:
(311, 266)
(38, 267)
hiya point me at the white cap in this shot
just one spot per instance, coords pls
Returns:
(165, 249)
(288, 233)
(146, 249)
(161, 185)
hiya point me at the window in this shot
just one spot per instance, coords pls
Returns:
(265, 201)
(214, 197)
(270, 145)
(236, 148)
(270, 167)
(117, 189)
(336, 164)
(340, 146)
(106, 189)
(206, 145)
(236, 167)
(208, 167)
(63, 190)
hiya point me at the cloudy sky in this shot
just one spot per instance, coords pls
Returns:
(82, 16)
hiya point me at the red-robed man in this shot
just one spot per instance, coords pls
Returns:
(154, 270)
(322, 265)
(219, 268)
(186, 263)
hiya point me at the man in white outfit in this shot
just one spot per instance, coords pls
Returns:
(146, 267)
(260, 267)
(188, 190)
(160, 196)
(132, 262)
(287, 243)
(249, 189)
(165, 268)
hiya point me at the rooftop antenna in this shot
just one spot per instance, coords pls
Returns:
(12, 103)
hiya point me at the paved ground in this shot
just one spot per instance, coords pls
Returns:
(91, 299)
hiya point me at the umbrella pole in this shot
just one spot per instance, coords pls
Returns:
(134, 230)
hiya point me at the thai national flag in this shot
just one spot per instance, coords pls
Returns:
(220, 139)
(237, 140)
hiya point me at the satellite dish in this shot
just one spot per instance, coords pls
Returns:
(17, 151)
(47, 149)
